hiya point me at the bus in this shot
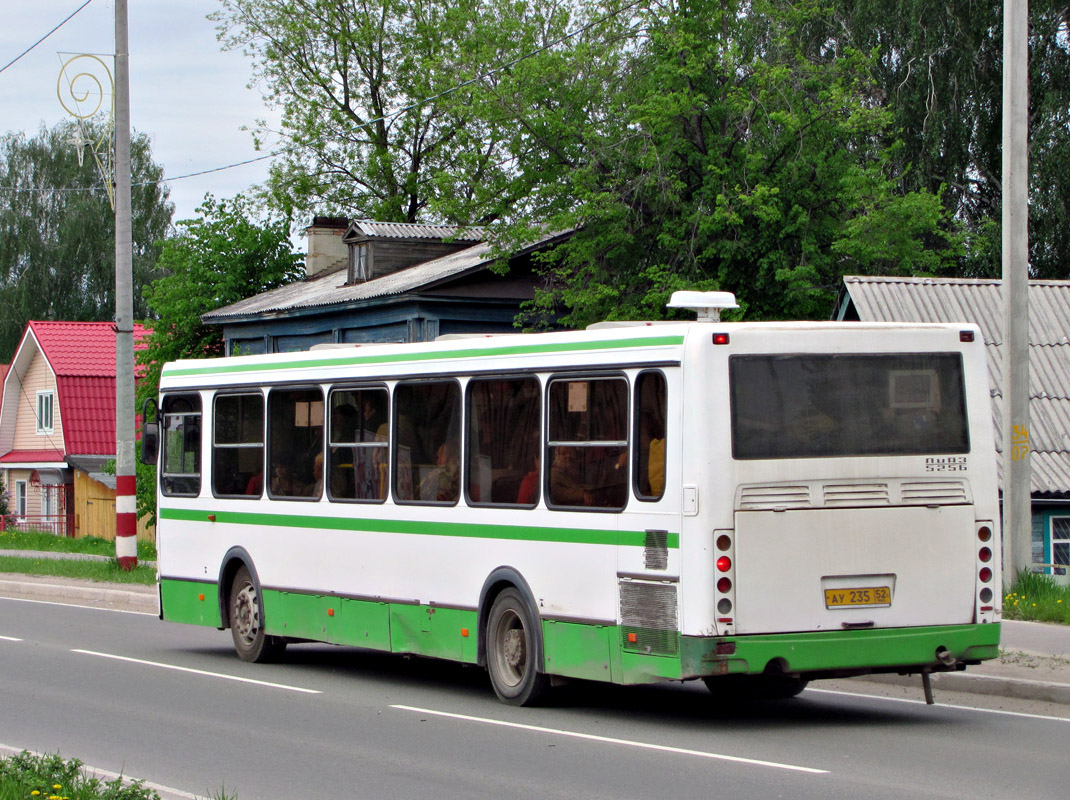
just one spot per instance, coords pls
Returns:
(753, 504)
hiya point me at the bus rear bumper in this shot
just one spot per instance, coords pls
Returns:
(841, 653)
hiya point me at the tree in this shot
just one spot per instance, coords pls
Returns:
(721, 154)
(376, 96)
(939, 72)
(57, 230)
(224, 255)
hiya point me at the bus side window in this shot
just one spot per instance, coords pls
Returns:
(180, 465)
(588, 443)
(238, 445)
(357, 438)
(650, 413)
(502, 462)
(295, 443)
(427, 442)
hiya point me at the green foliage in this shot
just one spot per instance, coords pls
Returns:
(938, 68)
(12, 539)
(373, 106)
(1037, 597)
(57, 230)
(222, 256)
(25, 776)
(701, 145)
(101, 571)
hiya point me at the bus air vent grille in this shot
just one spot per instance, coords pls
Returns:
(856, 494)
(934, 493)
(648, 618)
(656, 550)
(762, 498)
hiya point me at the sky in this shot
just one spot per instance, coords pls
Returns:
(186, 93)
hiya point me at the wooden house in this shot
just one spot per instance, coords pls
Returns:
(57, 429)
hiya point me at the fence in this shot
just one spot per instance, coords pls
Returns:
(56, 524)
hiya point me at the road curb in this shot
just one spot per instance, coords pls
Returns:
(1018, 688)
(123, 599)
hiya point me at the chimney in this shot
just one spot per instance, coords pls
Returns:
(326, 252)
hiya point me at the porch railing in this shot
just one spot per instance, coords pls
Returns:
(56, 524)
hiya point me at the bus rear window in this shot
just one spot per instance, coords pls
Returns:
(817, 406)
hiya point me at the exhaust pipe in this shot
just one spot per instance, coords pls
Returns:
(945, 657)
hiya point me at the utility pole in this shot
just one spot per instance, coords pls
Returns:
(125, 480)
(1017, 516)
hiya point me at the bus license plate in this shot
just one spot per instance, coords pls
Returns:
(867, 596)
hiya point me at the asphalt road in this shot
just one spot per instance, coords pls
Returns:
(172, 704)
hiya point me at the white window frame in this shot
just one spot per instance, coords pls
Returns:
(21, 499)
(46, 410)
(1061, 539)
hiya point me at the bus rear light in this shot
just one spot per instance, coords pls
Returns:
(633, 638)
(725, 648)
(724, 585)
(965, 336)
(985, 554)
(984, 533)
(724, 605)
(725, 620)
(724, 563)
(985, 595)
(720, 338)
(724, 541)
(985, 574)
(986, 608)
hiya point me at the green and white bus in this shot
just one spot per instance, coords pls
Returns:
(753, 504)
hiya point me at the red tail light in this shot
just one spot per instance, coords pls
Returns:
(724, 563)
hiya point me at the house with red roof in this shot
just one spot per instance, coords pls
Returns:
(57, 428)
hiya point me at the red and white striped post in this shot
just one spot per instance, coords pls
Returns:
(125, 481)
(126, 521)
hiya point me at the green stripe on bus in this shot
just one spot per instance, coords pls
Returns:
(456, 529)
(400, 358)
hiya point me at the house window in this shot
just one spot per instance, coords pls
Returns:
(44, 412)
(20, 499)
(1060, 540)
(359, 263)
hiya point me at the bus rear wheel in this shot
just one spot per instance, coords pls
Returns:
(246, 615)
(512, 648)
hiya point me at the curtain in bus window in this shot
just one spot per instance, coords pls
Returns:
(650, 412)
(295, 443)
(180, 462)
(588, 447)
(427, 442)
(503, 441)
(358, 434)
(238, 445)
(807, 406)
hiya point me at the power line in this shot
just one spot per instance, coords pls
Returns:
(32, 46)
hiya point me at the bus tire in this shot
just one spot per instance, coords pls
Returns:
(246, 617)
(512, 645)
(756, 687)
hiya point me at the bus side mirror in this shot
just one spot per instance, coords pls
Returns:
(150, 432)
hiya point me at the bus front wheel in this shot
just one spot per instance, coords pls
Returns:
(512, 648)
(247, 621)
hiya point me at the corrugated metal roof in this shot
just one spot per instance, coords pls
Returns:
(883, 299)
(331, 290)
(412, 230)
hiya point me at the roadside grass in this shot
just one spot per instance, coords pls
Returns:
(1037, 598)
(103, 571)
(48, 777)
(89, 545)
